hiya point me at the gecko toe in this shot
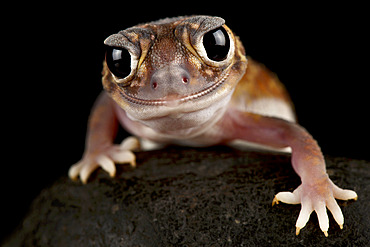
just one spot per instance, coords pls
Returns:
(75, 170)
(106, 164)
(86, 171)
(320, 209)
(123, 156)
(287, 197)
(343, 194)
(304, 215)
(335, 210)
(130, 143)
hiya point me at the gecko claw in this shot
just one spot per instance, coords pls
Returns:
(275, 201)
(133, 164)
(297, 231)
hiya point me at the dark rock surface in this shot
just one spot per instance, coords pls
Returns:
(217, 196)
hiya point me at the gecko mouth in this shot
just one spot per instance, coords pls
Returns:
(174, 100)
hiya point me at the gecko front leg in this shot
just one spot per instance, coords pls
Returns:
(100, 150)
(317, 192)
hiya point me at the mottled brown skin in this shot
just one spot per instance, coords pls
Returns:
(260, 82)
(176, 93)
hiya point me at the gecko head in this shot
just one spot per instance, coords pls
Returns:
(173, 67)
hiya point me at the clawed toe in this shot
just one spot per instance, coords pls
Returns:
(320, 209)
(304, 215)
(286, 197)
(130, 143)
(123, 156)
(74, 171)
(335, 210)
(107, 164)
(86, 170)
(342, 194)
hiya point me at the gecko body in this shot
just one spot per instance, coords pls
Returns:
(187, 81)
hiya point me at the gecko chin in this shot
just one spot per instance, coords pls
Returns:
(180, 123)
(181, 119)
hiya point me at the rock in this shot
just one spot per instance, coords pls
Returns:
(217, 196)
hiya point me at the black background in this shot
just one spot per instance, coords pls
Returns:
(53, 56)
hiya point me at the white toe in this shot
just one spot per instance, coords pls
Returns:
(75, 170)
(107, 164)
(304, 214)
(288, 197)
(335, 210)
(123, 157)
(320, 209)
(130, 143)
(344, 194)
(86, 171)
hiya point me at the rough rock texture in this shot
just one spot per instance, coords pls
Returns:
(217, 196)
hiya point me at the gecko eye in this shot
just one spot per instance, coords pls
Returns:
(118, 61)
(217, 44)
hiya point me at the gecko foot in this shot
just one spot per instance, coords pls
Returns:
(317, 197)
(106, 159)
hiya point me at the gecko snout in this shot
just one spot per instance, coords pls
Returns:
(171, 80)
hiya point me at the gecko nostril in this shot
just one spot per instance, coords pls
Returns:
(154, 85)
(185, 80)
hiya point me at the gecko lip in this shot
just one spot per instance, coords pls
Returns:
(175, 100)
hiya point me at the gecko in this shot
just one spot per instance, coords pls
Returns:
(187, 81)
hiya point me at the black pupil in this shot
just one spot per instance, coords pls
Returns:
(118, 61)
(217, 44)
